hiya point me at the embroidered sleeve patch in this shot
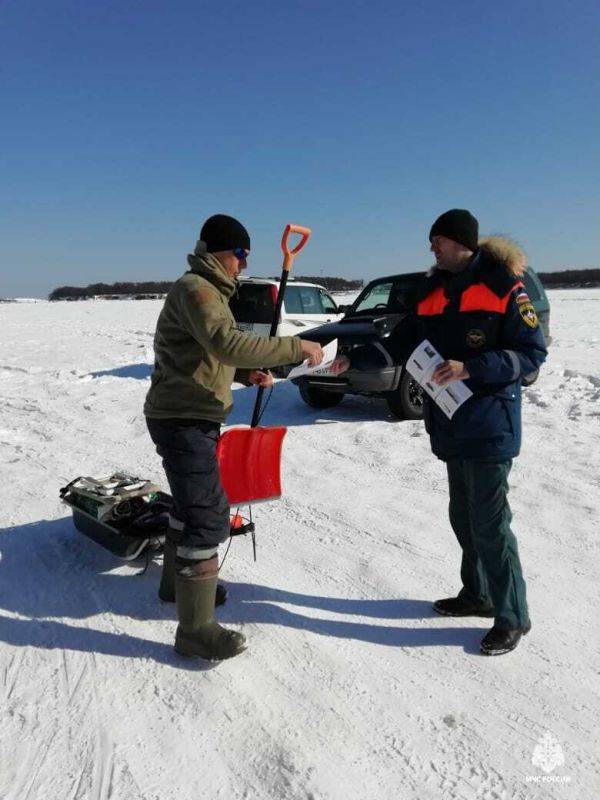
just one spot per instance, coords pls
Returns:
(526, 310)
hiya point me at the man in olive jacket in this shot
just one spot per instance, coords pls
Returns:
(199, 352)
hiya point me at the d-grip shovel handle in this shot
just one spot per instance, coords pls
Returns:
(289, 255)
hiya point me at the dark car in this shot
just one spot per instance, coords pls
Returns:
(370, 319)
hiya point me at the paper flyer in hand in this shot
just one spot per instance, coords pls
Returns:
(329, 354)
(421, 366)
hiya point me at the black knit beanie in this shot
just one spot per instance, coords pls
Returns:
(221, 232)
(459, 225)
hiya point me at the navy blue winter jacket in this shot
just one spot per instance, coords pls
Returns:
(483, 317)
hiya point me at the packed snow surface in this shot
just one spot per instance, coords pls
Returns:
(351, 687)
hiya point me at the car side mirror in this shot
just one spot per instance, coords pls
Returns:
(343, 309)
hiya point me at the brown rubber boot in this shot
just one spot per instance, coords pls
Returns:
(198, 633)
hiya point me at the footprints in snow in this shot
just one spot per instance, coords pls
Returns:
(578, 391)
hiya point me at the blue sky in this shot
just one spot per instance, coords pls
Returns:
(126, 124)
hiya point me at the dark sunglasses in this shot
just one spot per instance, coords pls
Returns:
(240, 253)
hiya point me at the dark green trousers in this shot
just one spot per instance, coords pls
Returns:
(480, 517)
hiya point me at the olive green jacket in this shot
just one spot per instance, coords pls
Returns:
(197, 347)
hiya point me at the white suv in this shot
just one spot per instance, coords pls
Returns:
(305, 306)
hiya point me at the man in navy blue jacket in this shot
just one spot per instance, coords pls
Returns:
(473, 308)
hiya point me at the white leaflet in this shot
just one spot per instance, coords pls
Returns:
(329, 354)
(421, 365)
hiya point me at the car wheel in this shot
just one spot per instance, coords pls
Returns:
(319, 398)
(406, 402)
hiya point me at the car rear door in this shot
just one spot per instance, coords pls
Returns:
(253, 306)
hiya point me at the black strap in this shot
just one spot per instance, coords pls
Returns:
(62, 492)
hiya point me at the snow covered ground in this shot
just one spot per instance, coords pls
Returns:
(351, 687)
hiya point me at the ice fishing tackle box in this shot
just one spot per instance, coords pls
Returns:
(122, 513)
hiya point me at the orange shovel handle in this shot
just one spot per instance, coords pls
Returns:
(289, 255)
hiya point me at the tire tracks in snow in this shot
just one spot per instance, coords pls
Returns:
(11, 672)
(103, 767)
(30, 766)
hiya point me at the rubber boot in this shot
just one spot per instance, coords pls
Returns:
(198, 633)
(166, 590)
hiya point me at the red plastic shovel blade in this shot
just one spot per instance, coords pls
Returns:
(249, 462)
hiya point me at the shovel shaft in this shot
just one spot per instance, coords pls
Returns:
(273, 332)
(257, 404)
(288, 260)
(277, 313)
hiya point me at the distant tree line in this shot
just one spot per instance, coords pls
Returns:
(162, 287)
(331, 284)
(567, 278)
(122, 287)
(552, 280)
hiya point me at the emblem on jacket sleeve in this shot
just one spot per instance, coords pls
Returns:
(526, 310)
(475, 338)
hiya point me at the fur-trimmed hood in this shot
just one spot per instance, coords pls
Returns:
(505, 252)
(499, 251)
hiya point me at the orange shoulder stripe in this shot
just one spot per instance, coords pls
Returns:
(479, 298)
(435, 303)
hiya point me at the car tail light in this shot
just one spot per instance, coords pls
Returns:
(274, 293)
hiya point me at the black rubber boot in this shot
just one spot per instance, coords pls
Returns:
(166, 590)
(462, 607)
(198, 633)
(498, 641)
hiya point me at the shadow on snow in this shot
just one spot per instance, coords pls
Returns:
(50, 571)
(140, 372)
(285, 406)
